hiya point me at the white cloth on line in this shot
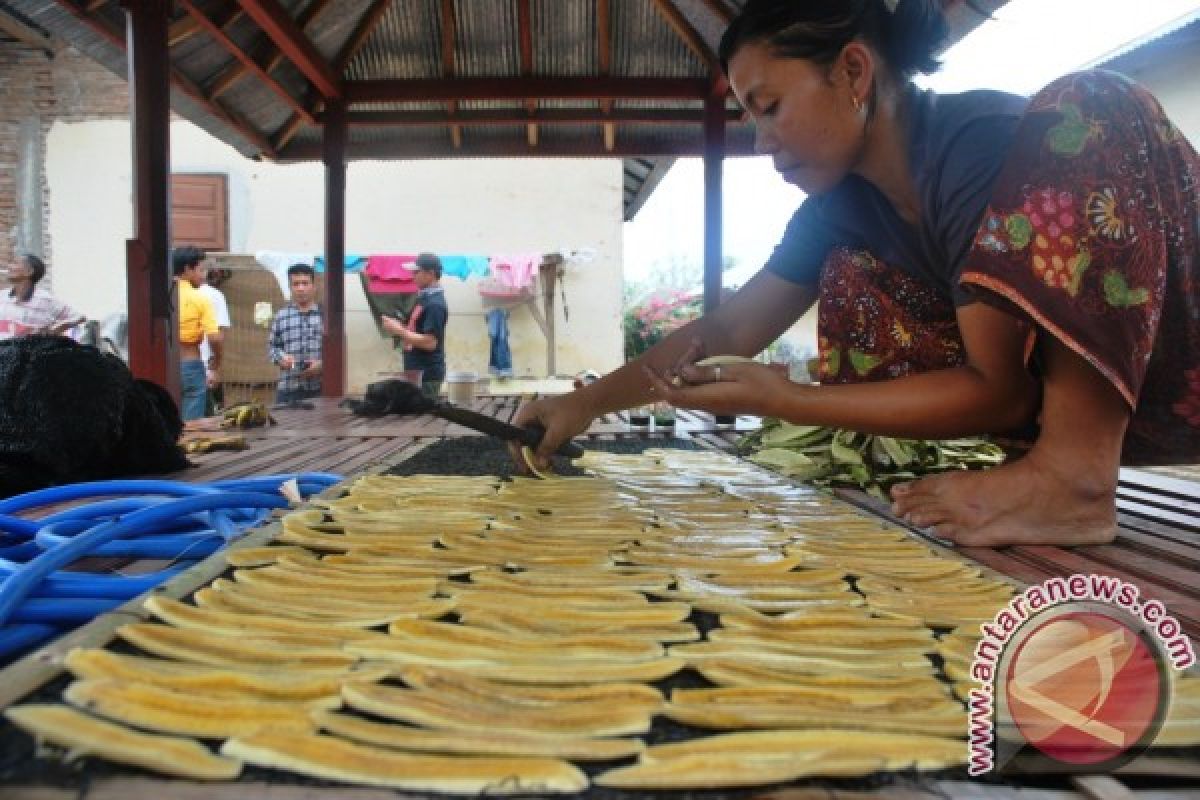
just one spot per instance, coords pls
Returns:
(278, 262)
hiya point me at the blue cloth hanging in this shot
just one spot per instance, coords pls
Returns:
(500, 357)
(352, 263)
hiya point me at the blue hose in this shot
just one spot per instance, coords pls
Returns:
(16, 639)
(162, 519)
(18, 585)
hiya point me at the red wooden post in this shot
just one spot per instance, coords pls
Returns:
(714, 156)
(333, 379)
(153, 318)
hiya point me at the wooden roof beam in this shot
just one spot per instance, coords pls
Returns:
(179, 81)
(525, 37)
(604, 57)
(224, 14)
(449, 68)
(723, 12)
(572, 88)
(263, 52)
(242, 56)
(311, 151)
(24, 33)
(544, 116)
(370, 20)
(292, 42)
(691, 37)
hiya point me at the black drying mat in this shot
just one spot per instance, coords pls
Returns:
(483, 455)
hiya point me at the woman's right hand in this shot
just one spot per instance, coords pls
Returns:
(562, 417)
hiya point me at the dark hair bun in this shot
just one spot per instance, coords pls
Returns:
(906, 37)
(912, 34)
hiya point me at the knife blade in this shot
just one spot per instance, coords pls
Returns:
(531, 435)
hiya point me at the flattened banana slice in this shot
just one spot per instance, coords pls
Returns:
(711, 770)
(85, 735)
(219, 650)
(160, 709)
(436, 711)
(182, 615)
(739, 673)
(437, 680)
(329, 617)
(338, 759)
(273, 684)
(580, 672)
(938, 723)
(267, 554)
(493, 743)
(899, 751)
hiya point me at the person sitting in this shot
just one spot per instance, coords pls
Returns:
(980, 262)
(27, 308)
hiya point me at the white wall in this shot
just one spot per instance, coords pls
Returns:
(1173, 81)
(453, 206)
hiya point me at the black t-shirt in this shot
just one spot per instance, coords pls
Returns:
(430, 315)
(958, 145)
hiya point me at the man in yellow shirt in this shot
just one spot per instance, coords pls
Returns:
(197, 322)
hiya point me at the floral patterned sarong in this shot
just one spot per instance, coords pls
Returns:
(1092, 234)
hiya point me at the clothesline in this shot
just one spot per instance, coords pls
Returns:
(392, 273)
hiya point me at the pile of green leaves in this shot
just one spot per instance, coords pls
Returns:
(833, 457)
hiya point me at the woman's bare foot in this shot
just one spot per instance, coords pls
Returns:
(1028, 501)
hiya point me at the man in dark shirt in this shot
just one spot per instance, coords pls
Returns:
(423, 339)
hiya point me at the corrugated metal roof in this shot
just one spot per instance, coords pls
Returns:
(405, 44)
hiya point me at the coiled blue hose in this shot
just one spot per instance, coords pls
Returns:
(162, 519)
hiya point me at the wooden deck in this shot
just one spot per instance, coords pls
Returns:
(1158, 549)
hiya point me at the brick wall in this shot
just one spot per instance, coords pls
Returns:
(68, 87)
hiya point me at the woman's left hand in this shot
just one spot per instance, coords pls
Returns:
(725, 389)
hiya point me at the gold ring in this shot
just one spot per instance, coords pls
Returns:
(677, 381)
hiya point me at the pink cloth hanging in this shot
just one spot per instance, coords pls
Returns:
(391, 274)
(515, 271)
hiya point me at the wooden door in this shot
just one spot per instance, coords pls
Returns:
(200, 212)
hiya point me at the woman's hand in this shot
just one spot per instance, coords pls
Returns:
(562, 417)
(724, 389)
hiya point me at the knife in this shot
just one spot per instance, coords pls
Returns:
(530, 435)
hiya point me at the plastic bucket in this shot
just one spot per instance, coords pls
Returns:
(460, 387)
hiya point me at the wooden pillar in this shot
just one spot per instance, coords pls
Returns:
(714, 156)
(151, 302)
(333, 140)
(549, 269)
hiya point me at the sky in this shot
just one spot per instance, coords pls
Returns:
(1029, 43)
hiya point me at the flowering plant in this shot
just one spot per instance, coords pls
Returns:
(649, 321)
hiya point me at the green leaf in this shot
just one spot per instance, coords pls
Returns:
(833, 358)
(1020, 230)
(787, 434)
(900, 455)
(1119, 295)
(843, 454)
(862, 362)
(1070, 136)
